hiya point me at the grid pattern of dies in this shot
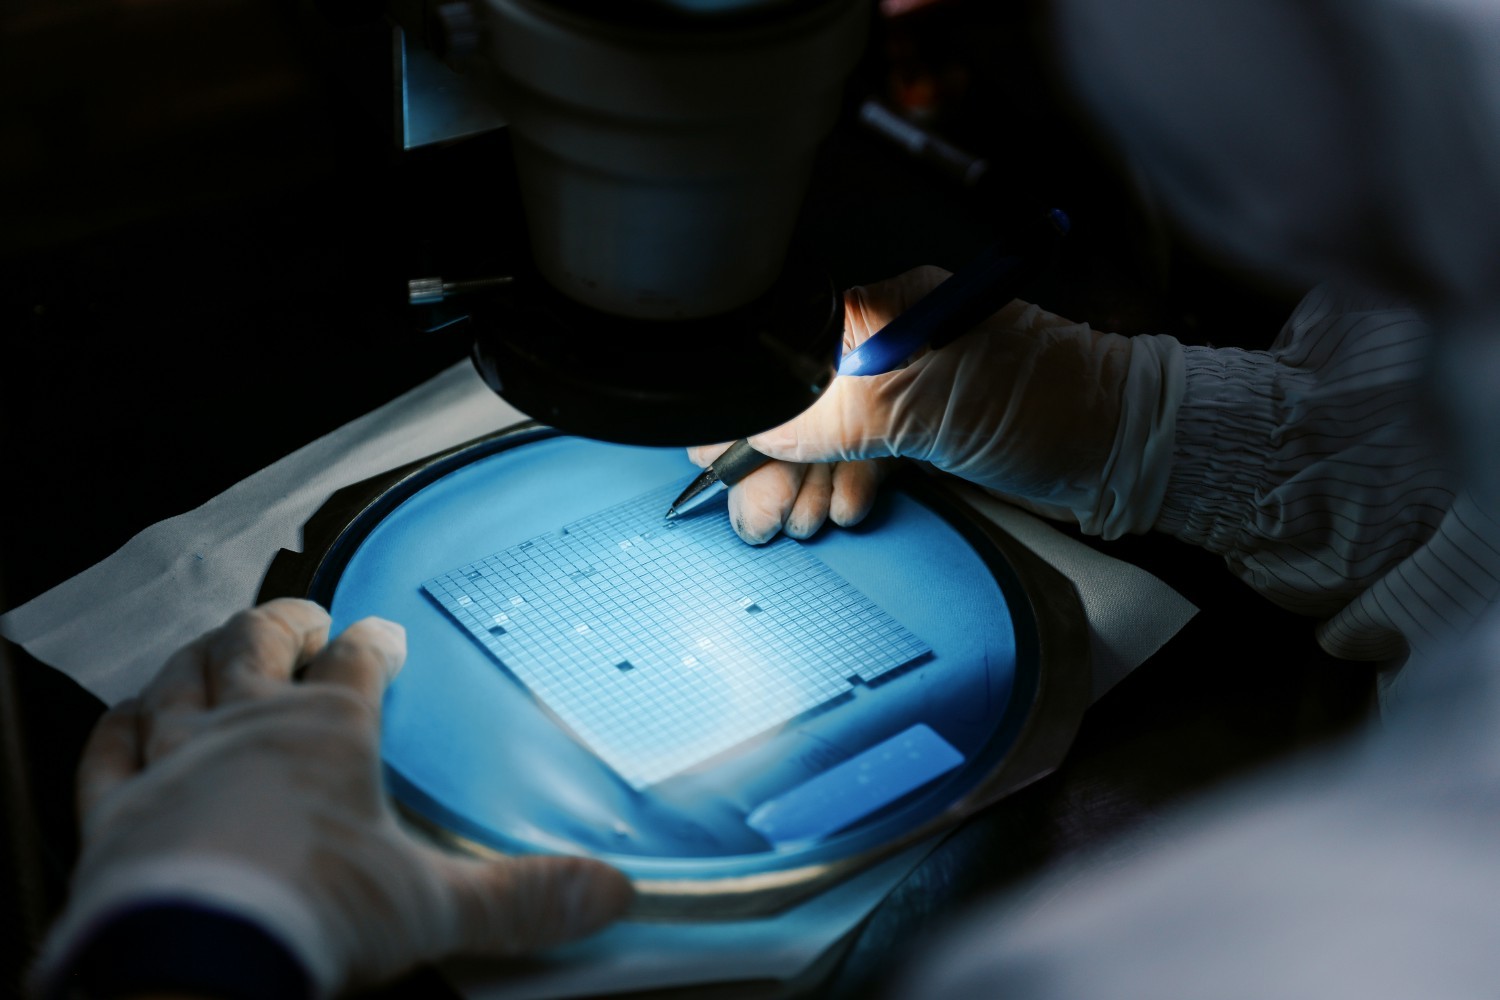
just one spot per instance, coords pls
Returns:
(663, 643)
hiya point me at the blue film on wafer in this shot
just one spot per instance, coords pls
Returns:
(860, 786)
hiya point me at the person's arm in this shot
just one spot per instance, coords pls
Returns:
(1030, 404)
(1314, 469)
(1308, 466)
(238, 842)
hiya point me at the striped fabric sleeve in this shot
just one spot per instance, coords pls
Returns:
(1309, 468)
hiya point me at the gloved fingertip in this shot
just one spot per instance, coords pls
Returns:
(297, 604)
(515, 906)
(802, 527)
(393, 632)
(756, 512)
(396, 629)
(594, 895)
(389, 636)
(753, 531)
(849, 508)
(702, 455)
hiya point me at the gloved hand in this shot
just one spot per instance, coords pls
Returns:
(1064, 419)
(228, 785)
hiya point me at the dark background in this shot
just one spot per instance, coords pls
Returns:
(206, 235)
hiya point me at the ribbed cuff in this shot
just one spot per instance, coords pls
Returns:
(178, 946)
(1222, 453)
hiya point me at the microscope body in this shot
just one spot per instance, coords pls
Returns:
(662, 168)
(663, 149)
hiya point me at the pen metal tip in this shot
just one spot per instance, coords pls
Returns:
(672, 513)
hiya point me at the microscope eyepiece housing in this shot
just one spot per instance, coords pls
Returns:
(663, 149)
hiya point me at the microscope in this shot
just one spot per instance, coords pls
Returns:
(662, 149)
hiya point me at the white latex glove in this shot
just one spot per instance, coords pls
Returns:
(228, 785)
(1066, 420)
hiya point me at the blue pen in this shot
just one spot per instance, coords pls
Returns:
(957, 305)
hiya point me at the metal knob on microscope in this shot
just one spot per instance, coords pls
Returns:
(430, 291)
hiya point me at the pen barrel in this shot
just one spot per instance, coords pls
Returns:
(737, 462)
(961, 302)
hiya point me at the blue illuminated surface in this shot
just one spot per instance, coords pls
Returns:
(469, 748)
(661, 644)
